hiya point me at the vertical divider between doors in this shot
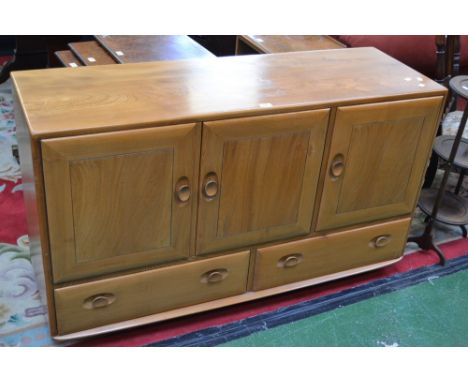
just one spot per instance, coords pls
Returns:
(323, 168)
(198, 150)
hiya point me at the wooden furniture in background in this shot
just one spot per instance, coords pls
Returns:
(90, 53)
(248, 44)
(67, 58)
(447, 65)
(128, 49)
(439, 204)
(107, 49)
(162, 189)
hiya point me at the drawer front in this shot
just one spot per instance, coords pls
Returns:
(102, 302)
(328, 254)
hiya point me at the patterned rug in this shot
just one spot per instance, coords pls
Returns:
(22, 319)
(22, 316)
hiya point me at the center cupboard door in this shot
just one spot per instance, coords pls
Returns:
(120, 200)
(377, 159)
(258, 178)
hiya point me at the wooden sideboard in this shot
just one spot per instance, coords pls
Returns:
(157, 190)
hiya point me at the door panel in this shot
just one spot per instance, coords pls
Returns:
(259, 178)
(383, 174)
(377, 159)
(253, 209)
(137, 176)
(113, 199)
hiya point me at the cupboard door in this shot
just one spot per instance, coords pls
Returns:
(377, 159)
(120, 200)
(258, 178)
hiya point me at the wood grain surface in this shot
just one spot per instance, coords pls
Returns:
(91, 53)
(322, 255)
(289, 43)
(112, 200)
(267, 169)
(145, 164)
(68, 58)
(129, 49)
(222, 302)
(61, 102)
(383, 147)
(150, 292)
(35, 204)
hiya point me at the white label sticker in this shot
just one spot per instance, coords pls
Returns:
(267, 104)
(119, 53)
(91, 59)
(73, 65)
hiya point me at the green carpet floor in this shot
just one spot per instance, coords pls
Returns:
(432, 313)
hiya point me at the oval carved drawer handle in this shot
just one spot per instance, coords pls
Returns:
(182, 190)
(214, 276)
(210, 186)
(337, 166)
(290, 261)
(99, 301)
(381, 241)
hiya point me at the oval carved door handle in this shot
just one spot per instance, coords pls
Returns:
(337, 166)
(99, 301)
(214, 276)
(182, 190)
(381, 241)
(290, 261)
(210, 186)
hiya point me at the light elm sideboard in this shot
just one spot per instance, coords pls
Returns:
(157, 190)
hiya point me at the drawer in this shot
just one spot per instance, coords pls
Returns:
(107, 301)
(328, 254)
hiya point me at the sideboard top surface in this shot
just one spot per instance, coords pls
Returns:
(67, 101)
